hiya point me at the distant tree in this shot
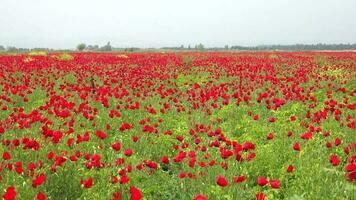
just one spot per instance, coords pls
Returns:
(107, 47)
(92, 48)
(200, 47)
(2, 48)
(11, 49)
(81, 46)
(226, 47)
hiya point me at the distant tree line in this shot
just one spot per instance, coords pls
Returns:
(198, 47)
(294, 47)
(15, 49)
(298, 47)
(84, 47)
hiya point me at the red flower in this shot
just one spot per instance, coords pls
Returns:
(147, 128)
(296, 146)
(270, 136)
(337, 141)
(200, 197)
(290, 133)
(135, 193)
(274, 184)
(10, 193)
(100, 134)
(262, 181)
(41, 196)
(239, 179)
(124, 179)
(6, 156)
(116, 196)
(39, 180)
(293, 118)
(307, 136)
(351, 167)
(260, 196)
(351, 172)
(290, 169)
(334, 160)
(221, 181)
(182, 175)
(125, 126)
(128, 152)
(116, 146)
(135, 138)
(328, 145)
(251, 156)
(87, 183)
(272, 119)
(165, 160)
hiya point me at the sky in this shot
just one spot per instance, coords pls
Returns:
(156, 23)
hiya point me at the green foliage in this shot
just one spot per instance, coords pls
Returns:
(200, 78)
(64, 184)
(37, 53)
(187, 60)
(81, 46)
(314, 177)
(65, 56)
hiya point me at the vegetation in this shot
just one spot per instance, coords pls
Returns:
(198, 47)
(262, 125)
(81, 46)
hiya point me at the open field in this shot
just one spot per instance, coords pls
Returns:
(273, 125)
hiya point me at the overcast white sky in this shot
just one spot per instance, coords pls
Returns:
(157, 23)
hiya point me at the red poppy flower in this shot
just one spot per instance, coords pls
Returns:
(272, 119)
(274, 184)
(334, 160)
(296, 146)
(128, 152)
(87, 183)
(337, 141)
(135, 193)
(351, 172)
(6, 156)
(165, 159)
(270, 136)
(221, 181)
(116, 146)
(239, 179)
(100, 134)
(328, 145)
(182, 175)
(200, 197)
(39, 180)
(116, 196)
(290, 133)
(124, 179)
(41, 196)
(290, 169)
(260, 196)
(10, 193)
(262, 181)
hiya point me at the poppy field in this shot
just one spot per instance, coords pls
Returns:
(187, 125)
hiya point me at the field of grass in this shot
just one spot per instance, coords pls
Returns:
(267, 125)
